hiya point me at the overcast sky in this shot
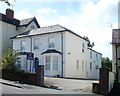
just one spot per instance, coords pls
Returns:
(90, 18)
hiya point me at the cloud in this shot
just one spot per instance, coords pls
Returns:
(93, 21)
(23, 14)
(46, 11)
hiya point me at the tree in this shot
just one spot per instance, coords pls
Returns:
(9, 59)
(107, 63)
(7, 2)
(90, 45)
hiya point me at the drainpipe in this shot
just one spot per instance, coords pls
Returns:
(62, 53)
(116, 64)
(30, 51)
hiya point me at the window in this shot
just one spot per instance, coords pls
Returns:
(83, 65)
(55, 62)
(18, 62)
(90, 65)
(51, 42)
(77, 64)
(96, 57)
(23, 45)
(36, 43)
(32, 27)
(96, 67)
(90, 54)
(47, 62)
(83, 47)
(24, 63)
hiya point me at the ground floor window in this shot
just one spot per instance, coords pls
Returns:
(51, 62)
(55, 62)
(47, 62)
(18, 62)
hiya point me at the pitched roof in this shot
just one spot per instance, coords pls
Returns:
(42, 30)
(8, 20)
(26, 22)
(46, 30)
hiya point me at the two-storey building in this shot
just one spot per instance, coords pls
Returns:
(63, 52)
(9, 27)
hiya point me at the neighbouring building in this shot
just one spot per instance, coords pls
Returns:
(63, 52)
(9, 27)
(116, 52)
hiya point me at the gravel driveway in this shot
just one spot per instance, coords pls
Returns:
(70, 84)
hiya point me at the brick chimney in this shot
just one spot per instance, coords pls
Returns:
(9, 13)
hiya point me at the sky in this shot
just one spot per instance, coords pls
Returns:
(92, 18)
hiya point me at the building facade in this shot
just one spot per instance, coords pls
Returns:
(63, 52)
(9, 27)
(116, 53)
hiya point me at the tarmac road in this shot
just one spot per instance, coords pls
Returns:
(71, 84)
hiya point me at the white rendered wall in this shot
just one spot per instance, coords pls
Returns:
(73, 52)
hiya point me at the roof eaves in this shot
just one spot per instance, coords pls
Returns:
(18, 36)
(95, 51)
(76, 34)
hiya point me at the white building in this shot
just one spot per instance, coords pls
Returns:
(9, 27)
(63, 52)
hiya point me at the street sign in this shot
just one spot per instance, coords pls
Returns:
(30, 56)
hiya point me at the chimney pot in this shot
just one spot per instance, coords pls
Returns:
(9, 13)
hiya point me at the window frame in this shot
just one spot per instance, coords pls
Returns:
(55, 63)
(51, 43)
(36, 43)
(47, 64)
(22, 45)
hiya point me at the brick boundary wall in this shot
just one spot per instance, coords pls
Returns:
(28, 78)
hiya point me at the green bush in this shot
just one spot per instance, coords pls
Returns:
(9, 59)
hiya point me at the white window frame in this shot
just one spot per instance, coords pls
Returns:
(51, 42)
(22, 45)
(47, 63)
(83, 65)
(36, 43)
(77, 64)
(90, 54)
(55, 63)
(83, 47)
(90, 65)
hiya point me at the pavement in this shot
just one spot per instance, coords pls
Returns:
(32, 89)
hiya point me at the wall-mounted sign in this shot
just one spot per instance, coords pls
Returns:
(30, 56)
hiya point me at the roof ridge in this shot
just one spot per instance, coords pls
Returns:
(28, 18)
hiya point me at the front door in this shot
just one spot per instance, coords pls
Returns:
(36, 64)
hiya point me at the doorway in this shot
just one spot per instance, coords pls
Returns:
(36, 64)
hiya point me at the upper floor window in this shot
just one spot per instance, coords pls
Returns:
(51, 41)
(36, 43)
(96, 57)
(32, 27)
(83, 47)
(23, 45)
(90, 54)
